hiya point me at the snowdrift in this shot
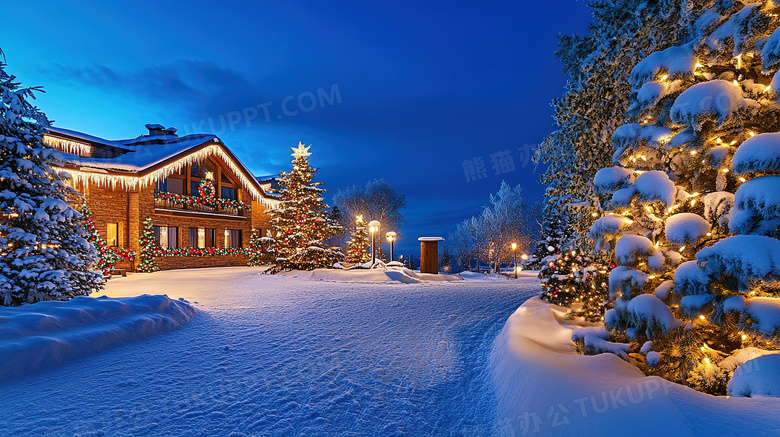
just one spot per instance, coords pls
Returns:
(392, 274)
(46, 334)
(543, 386)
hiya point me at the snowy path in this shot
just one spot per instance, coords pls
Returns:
(284, 356)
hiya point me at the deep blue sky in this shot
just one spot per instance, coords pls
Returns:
(423, 85)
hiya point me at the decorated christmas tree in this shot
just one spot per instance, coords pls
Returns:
(556, 235)
(108, 257)
(689, 210)
(301, 223)
(256, 249)
(45, 254)
(577, 280)
(148, 243)
(358, 246)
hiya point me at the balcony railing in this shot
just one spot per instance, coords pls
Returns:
(192, 207)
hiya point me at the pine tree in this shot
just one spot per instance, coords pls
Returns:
(357, 247)
(256, 252)
(148, 243)
(301, 223)
(596, 100)
(557, 234)
(687, 210)
(45, 254)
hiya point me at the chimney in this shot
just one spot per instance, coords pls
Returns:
(156, 130)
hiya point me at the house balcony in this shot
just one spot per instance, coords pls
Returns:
(162, 205)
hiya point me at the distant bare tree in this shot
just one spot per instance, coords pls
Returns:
(377, 200)
(488, 237)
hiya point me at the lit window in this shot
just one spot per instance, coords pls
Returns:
(112, 235)
(167, 236)
(232, 238)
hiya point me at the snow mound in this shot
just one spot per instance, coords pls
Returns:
(46, 334)
(756, 206)
(607, 227)
(625, 281)
(595, 339)
(675, 61)
(765, 312)
(609, 179)
(757, 377)
(482, 277)
(742, 356)
(632, 249)
(649, 311)
(393, 274)
(686, 228)
(545, 388)
(655, 185)
(689, 279)
(745, 257)
(715, 100)
(760, 153)
(770, 53)
(651, 93)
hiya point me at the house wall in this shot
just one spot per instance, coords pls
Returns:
(131, 208)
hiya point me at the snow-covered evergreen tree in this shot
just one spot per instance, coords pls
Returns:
(557, 233)
(596, 100)
(358, 246)
(301, 223)
(690, 208)
(45, 254)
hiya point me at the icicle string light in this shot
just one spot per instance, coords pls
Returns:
(134, 182)
(68, 146)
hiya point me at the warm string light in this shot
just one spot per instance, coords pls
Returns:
(134, 182)
(68, 146)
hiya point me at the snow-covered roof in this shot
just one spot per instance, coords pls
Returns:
(146, 158)
(131, 155)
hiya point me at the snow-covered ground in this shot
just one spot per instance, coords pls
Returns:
(304, 353)
(47, 334)
(546, 388)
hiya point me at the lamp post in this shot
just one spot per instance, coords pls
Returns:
(391, 239)
(514, 257)
(373, 226)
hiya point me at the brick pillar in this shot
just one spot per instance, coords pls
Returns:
(134, 222)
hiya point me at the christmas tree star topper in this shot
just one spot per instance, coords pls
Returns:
(300, 151)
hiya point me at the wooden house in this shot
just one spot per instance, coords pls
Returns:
(204, 203)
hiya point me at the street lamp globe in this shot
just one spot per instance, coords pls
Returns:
(391, 237)
(373, 226)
